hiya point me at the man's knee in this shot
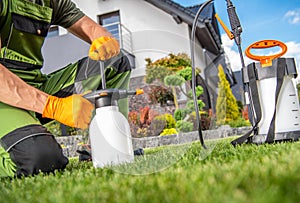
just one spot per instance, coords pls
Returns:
(33, 149)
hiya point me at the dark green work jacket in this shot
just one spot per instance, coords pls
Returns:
(24, 26)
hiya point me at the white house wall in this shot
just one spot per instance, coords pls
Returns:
(155, 33)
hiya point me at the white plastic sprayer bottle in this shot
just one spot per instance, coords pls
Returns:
(109, 132)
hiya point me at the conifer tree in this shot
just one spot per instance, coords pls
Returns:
(227, 108)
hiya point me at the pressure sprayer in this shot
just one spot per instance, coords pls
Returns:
(275, 99)
(269, 89)
(109, 131)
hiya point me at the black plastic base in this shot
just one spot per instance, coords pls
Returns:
(283, 136)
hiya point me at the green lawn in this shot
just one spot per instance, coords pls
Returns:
(248, 173)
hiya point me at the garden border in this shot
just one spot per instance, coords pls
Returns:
(71, 143)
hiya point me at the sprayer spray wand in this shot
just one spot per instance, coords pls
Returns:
(101, 63)
(236, 35)
(236, 31)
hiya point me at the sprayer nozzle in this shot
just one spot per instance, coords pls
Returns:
(139, 91)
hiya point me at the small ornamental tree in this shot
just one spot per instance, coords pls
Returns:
(227, 109)
(178, 79)
(173, 81)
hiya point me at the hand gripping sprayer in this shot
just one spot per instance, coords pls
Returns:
(109, 131)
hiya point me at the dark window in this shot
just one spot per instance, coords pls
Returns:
(111, 21)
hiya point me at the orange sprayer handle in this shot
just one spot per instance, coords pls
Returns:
(229, 34)
(266, 60)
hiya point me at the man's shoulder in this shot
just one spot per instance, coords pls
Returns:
(65, 12)
(62, 4)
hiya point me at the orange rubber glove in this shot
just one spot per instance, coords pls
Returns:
(74, 111)
(104, 48)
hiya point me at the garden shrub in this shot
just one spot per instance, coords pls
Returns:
(133, 117)
(144, 115)
(156, 73)
(185, 73)
(140, 122)
(169, 120)
(191, 107)
(180, 114)
(199, 91)
(186, 117)
(163, 67)
(240, 122)
(184, 126)
(169, 131)
(173, 80)
(226, 108)
(192, 119)
(159, 94)
(142, 132)
(205, 120)
(245, 113)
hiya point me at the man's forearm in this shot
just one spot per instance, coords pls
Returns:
(88, 30)
(16, 92)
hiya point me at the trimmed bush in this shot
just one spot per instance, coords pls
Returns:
(184, 126)
(170, 131)
(226, 108)
(168, 119)
(240, 122)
